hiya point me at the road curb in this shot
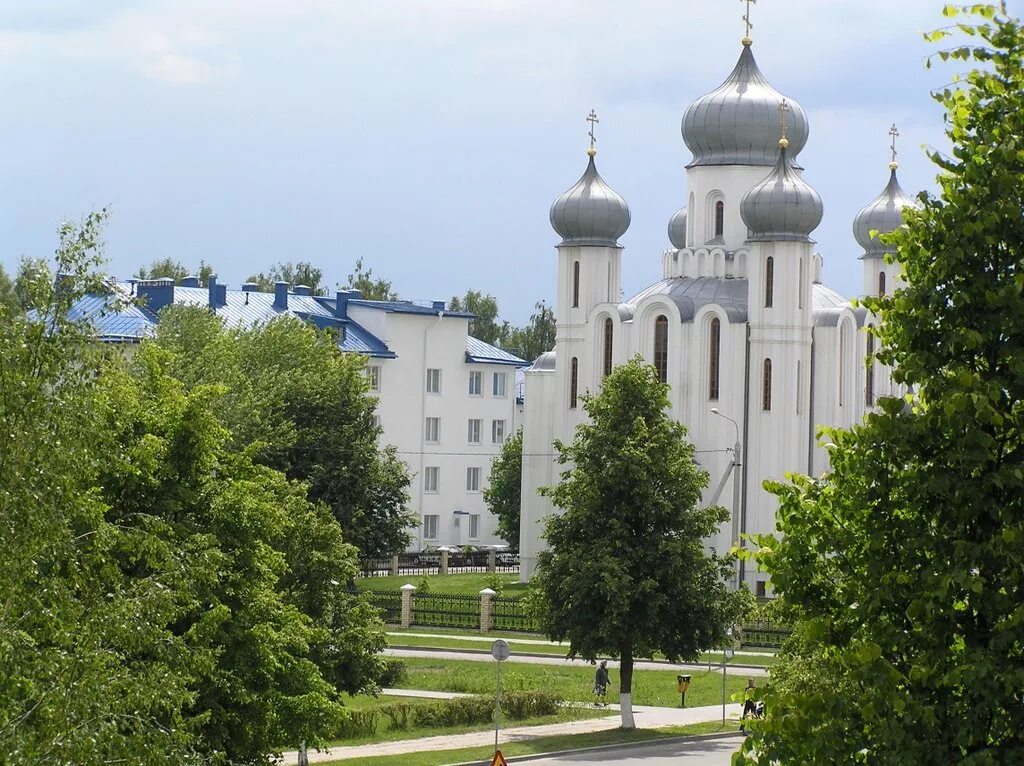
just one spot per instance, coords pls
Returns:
(602, 748)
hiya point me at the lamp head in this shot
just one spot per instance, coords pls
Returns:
(714, 411)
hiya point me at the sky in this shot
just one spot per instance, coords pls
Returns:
(428, 138)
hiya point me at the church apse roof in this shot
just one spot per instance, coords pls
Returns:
(690, 294)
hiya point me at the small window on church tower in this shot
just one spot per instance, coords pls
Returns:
(881, 284)
(719, 219)
(661, 347)
(766, 386)
(575, 284)
(769, 281)
(609, 336)
(573, 382)
(714, 353)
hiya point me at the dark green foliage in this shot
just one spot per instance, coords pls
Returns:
(295, 274)
(393, 672)
(168, 267)
(504, 491)
(537, 337)
(372, 289)
(904, 567)
(485, 326)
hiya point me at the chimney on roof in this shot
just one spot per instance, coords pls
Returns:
(250, 287)
(280, 295)
(438, 305)
(190, 281)
(341, 298)
(157, 292)
(217, 293)
(355, 295)
(303, 290)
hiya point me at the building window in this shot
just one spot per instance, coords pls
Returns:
(431, 478)
(473, 479)
(498, 431)
(766, 386)
(433, 381)
(609, 335)
(661, 347)
(473, 436)
(844, 352)
(430, 527)
(762, 589)
(575, 284)
(474, 526)
(769, 281)
(376, 420)
(881, 284)
(719, 219)
(432, 431)
(476, 383)
(573, 381)
(714, 357)
(373, 372)
(869, 383)
(499, 384)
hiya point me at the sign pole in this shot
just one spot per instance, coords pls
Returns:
(500, 652)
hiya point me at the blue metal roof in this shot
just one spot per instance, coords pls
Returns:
(480, 352)
(126, 323)
(408, 307)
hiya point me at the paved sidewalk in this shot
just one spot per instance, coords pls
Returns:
(533, 659)
(646, 717)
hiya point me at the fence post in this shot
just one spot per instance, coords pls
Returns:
(492, 557)
(487, 609)
(394, 565)
(444, 563)
(407, 609)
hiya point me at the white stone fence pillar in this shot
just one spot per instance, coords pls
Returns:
(487, 609)
(407, 607)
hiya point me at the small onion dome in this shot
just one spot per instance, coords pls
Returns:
(783, 207)
(738, 123)
(591, 212)
(677, 229)
(883, 214)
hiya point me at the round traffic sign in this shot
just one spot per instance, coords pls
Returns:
(500, 650)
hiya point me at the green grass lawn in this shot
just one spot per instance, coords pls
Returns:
(482, 642)
(650, 687)
(539, 745)
(469, 583)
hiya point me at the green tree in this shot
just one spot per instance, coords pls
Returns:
(7, 295)
(168, 267)
(535, 338)
(485, 326)
(503, 494)
(627, 573)
(903, 565)
(295, 274)
(361, 279)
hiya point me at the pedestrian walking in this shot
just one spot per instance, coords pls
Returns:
(749, 703)
(601, 681)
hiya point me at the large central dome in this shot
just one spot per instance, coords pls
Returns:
(738, 123)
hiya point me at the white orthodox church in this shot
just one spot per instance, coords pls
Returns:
(756, 350)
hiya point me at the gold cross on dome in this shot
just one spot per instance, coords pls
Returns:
(746, 21)
(592, 119)
(895, 134)
(783, 109)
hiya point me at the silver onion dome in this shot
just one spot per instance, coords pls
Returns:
(883, 214)
(783, 207)
(677, 229)
(591, 212)
(738, 123)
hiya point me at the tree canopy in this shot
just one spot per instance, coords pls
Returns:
(485, 326)
(503, 495)
(903, 567)
(168, 267)
(537, 337)
(362, 279)
(295, 274)
(627, 573)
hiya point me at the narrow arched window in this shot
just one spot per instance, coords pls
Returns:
(766, 386)
(573, 381)
(661, 347)
(714, 355)
(881, 283)
(769, 281)
(719, 218)
(869, 383)
(575, 284)
(844, 353)
(609, 332)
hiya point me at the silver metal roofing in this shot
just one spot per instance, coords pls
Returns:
(691, 293)
(677, 229)
(590, 213)
(827, 305)
(883, 214)
(484, 353)
(738, 123)
(544, 363)
(783, 207)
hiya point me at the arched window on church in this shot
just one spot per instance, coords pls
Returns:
(661, 347)
(844, 362)
(869, 383)
(769, 281)
(573, 382)
(719, 219)
(881, 283)
(766, 386)
(609, 333)
(714, 357)
(575, 284)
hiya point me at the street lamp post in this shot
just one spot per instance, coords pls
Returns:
(737, 462)
(727, 654)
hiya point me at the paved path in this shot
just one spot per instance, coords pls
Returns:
(702, 752)
(533, 659)
(646, 717)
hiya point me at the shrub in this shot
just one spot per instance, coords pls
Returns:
(423, 585)
(521, 705)
(399, 714)
(358, 723)
(393, 672)
(495, 583)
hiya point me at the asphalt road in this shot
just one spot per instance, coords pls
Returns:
(707, 752)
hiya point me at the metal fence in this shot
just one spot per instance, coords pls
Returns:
(510, 614)
(389, 602)
(430, 564)
(446, 610)
(765, 635)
